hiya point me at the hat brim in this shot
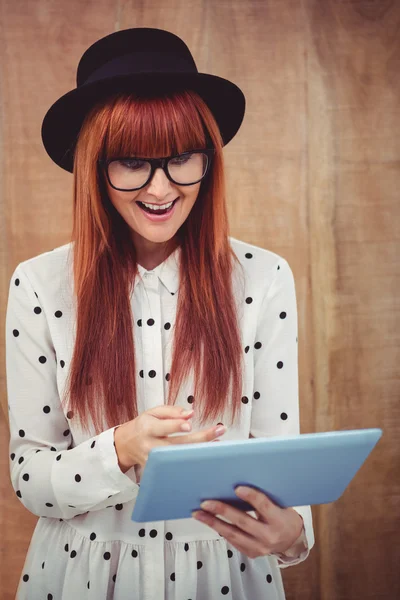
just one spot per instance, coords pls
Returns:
(63, 121)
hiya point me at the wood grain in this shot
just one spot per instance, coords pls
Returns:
(313, 175)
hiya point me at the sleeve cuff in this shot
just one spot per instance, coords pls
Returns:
(124, 481)
(296, 553)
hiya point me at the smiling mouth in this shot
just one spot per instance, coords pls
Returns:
(157, 211)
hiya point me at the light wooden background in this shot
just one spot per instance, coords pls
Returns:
(313, 174)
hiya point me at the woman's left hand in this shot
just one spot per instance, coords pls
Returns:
(275, 530)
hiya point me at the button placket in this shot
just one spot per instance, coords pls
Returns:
(152, 343)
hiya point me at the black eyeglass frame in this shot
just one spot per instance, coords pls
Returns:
(156, 163)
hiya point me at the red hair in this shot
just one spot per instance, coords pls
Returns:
(101, 381)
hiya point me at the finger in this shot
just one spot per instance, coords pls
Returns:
(207, 435)
(240, 539)
(240, 519)
(167, 411)
(164, 427)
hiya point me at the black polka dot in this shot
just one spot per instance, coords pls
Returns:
(66, 432)
(168, 377)
(73, 554)
(114, 578)
(283, 315)
(15, 332)
(153, 533)
(230, 553)
(141, 373)
(46, 409)
(247, 349)
(169, 536)
(150, 321)
(42, 359)
(248, 255)
(280, 364)
(186, 547)
(88, 585)
(66, 547)
(119, 506)
(152, 373)
(167, 326)
(225, 590)
(269, 578)
(279, 267)
(49, 596)
(18, 494)
(190, 399)
(93, 536)
(21, 433)
(53, 449)
(199, 564)
(26, 578)
(62, 364)
(139, 322)
(257, 345)
(242, 567)
(245, 399)
(248, 301)
(37, 310)
(283, 416)
(12, 456)
(107, 556)
(70, 414)
(20, 460)
(78, 478)
(92, 445)
(134, 553)
(142, 532)
(25, 477)
(49, 504)
(172, 577)
(58, 314)
(16, 282)
(42, 565)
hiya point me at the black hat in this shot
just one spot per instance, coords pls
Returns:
(140, 58)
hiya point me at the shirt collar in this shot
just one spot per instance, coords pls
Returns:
(167, 271)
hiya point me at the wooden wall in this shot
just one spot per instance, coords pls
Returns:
(313, 175)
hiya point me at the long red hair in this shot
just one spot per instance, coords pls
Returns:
(101, 380)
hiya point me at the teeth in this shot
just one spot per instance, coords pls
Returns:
(162, 207)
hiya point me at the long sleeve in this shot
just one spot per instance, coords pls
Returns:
(275, 409)
(51, 478)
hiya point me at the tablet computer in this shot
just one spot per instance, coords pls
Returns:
(305, 469)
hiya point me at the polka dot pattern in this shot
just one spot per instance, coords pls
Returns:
(83, 499)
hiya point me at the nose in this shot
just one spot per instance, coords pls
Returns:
(159, 185)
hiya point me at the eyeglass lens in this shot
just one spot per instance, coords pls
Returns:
(132, 173)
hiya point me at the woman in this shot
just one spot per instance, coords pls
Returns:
(105, 337)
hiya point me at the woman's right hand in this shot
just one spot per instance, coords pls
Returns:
(134, 439)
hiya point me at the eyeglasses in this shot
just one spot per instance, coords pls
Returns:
(127, 174)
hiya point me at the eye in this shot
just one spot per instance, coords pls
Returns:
(132, 163)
